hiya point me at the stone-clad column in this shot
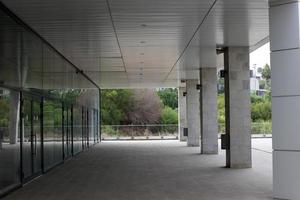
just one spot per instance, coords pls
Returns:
(209, 123)
(285, 67)
(193, 113)
(237, 107)
(182, 113)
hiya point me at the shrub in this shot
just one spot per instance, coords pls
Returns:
(169, 116)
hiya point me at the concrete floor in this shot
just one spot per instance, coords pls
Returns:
(150, 170)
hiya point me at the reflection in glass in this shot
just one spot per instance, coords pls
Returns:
(31, 146)
(67, 132)
(27, 139)
(52, 133)
(77, 129)
(36, 137)
(9, 140)
(27, 62)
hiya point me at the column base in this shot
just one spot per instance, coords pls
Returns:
(286, 176)
(209, 153)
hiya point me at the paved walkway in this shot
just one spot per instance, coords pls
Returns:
(152, 170)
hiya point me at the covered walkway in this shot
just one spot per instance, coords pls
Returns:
(162, 170)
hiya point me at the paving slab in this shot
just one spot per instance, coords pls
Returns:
(152, 170)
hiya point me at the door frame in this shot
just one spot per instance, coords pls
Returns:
(39, 100)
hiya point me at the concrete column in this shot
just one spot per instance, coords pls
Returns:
(285, 59)
(182, 112)
(209, 122)
(237, 107)
(14, 109)
(193, 113)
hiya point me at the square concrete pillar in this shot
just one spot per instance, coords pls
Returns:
(208, 102)
(182, 113)
(237, 107)
(193, 113)
(285, 59)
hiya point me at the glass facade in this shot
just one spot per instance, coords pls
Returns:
(49, 110)
(9, 141)
(67, 131)
(31, 137)
(77, 129)
(52, 123)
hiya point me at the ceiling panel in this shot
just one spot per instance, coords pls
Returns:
(142, 43)
(230, 23)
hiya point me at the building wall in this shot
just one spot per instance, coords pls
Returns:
(49, 111)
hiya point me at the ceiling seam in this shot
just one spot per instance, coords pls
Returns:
(191, 39)
(116, 35)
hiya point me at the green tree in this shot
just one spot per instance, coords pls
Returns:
(169, 97)
(69, 96)
(114, 106)
(266, 72)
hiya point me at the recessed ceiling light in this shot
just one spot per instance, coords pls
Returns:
(143, 25)
(142, 54)
(142, 62)
(142, 42)
(141, 74)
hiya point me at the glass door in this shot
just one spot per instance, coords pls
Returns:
(84, 129)
(36, 138)
(67, 120)
(31, 141)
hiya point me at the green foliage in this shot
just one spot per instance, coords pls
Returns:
(114, 105)
(169, 97)
(71, 96)
(4, 112)
(261, 111)
(261, 108)
(138, 106)
(261, 127)
(68, 96)
(221, 109)
(169, 116)
(52, 113)
(255, 98)
(266, 72)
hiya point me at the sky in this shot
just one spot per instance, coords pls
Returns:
(260, 57)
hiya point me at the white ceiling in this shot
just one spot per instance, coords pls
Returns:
(144, 43)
